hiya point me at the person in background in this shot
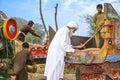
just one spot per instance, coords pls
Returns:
(20, 61)
(98, 21)
(60, 45)
(24, 31)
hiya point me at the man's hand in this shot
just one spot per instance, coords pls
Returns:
(76, 51)
(1, 65)
(35, 66)
(73, 53)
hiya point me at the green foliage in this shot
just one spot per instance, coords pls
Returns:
(89, 21)
(40, 69)
(67, 70)
(20, 22)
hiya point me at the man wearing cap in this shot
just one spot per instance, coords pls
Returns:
(25, 29)
(57, 50)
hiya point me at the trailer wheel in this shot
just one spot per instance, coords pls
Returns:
(10, 29)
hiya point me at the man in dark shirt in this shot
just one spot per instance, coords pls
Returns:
(20, 62)
(25, 29)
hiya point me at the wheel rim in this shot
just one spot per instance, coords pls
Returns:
(10, 29)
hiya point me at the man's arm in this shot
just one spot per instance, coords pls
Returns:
(33, 32)
(94, 21)
(65, 42)
(32, 60)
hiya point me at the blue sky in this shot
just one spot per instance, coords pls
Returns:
(67, 10)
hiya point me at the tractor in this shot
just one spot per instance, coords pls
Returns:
(8, 32)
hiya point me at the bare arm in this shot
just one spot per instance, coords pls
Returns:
(33, 33)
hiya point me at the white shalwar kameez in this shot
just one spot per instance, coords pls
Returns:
(60, 44)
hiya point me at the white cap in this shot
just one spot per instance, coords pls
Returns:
(72, 24)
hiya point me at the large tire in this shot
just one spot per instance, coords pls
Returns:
(10, 29)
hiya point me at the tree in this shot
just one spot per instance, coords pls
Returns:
(89, 20)
(56, 17)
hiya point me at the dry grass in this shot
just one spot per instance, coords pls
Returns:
(18, 45)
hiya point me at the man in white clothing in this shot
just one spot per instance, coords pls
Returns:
(60, 44)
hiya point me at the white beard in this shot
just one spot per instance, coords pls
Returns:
(70, 33)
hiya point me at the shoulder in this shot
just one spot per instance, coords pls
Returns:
(95, 15)
(21, 53)
(28, 28)
(64, 29)
(25, 52)
(25, 25)
(103, 13)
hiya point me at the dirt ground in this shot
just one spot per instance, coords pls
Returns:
(41, 77)
(37, 76)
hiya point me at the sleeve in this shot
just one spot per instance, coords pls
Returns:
(65, 42)
(94, 21)
(105, 17)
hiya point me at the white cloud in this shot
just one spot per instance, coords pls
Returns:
(45, 1)
(67, 3)
(110, 1)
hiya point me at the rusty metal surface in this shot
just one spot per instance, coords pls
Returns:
(116, 35)
(110, 11)
(115, 74)
(92, 71)
(114, 17)
(111, 68)
(86, 60)
(92, 77)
